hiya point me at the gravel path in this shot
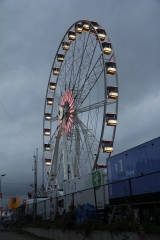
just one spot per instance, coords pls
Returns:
(18, 235)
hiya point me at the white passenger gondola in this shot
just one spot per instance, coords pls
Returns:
(112, 92)
(111, 119)
(107, 48)
(85, 26)
(48, 161)
(47, 131)
(101, 33)
(60, 57)
(47, 147)
(56, 71)
(49, 100)
(95, 26)
(107, 146)
(65, 45)
(71, 35)
(111, 67)
(79, 28)
(47, 116)
(52, 85)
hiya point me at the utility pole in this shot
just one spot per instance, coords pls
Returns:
(1, 189)
(35, 183)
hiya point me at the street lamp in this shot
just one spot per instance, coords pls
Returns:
(0, 189)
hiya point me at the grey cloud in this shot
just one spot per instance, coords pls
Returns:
(31, 33)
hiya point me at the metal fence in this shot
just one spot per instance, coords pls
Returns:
(142, 193)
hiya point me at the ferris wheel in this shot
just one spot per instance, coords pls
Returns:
(81, 104)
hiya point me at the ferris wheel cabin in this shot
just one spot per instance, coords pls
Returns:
(79, 28)
(111, 119)
(65, 45)
(95, 26)
(112, 92)
(101, 166)
(72, 35)
(47, 116)
(60, 57)
(107, 48)
(107, 146)
(47, 147)
(47, 131)
(56, 71)
(52, 85)
(111, 67)
(49, 101)
(101, 33)
(48, 161)
(85, 26)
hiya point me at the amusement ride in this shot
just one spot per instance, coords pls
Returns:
(81, 103)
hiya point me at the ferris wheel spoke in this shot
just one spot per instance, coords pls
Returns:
(90, 81)
(69, 59)
(82, 145)
(92, 120)
(54, 159)
(54, 119)
(92, 107)
(77, 154)
(72, 65)
(55, 96)
(59, 171)
(84, 43)
(68, 74)
(86, 62)
(65, 74)
(77, 62)
(94, 141)
(82, 152)
(88, 145)
(79, 150)
(66, 70)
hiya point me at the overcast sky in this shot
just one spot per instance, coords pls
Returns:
(30, 33)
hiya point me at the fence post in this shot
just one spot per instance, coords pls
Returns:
(45, 210)
(130, 188)
(73, 200)
(57, 205)
(95, 199)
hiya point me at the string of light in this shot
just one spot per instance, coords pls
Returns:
(16, 155)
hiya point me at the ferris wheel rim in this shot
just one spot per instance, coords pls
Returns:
(105, 84)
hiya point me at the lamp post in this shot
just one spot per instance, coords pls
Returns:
(0, 189)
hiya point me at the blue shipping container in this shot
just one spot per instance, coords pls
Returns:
(138, 161)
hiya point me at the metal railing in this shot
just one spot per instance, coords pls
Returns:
(142, 193)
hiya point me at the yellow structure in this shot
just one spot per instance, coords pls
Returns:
(14, 202)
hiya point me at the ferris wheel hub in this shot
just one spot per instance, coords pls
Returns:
(60, 113)
(66, 110)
